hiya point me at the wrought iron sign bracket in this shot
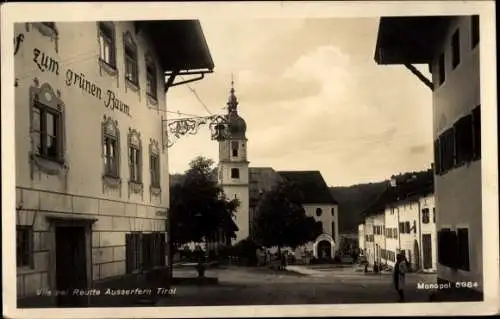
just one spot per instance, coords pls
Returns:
(172, 75)
(174, 129)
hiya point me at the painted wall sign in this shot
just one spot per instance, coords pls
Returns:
(17, 42)
(45, 62)
(78, 80)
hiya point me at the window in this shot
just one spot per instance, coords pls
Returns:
(235, 173)
(425, 216)
(319, 212)
(154, 160)
(434, 215)
(107, 43)
(111, 147)
(407, 227)
(154, 163)
(135, 159)
(110, 156)
(474, 30)
(135, 156)
(24, 246)
(333, 211)
(333, 230)
(464, 140)
(131, 67)
(234, 148)
(476, 123)
(442, 71)
(463, 249)
(447, 150)
(47, 130)
(151, 82)
(455, 49)
(459, 144)
(447, 248)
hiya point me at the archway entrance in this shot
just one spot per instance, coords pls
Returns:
(324, 247)
(324, 250)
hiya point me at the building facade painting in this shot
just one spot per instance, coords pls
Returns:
(92, 186)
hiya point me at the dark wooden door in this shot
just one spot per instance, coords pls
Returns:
(71, 265)
(324, 250)
(427, 250)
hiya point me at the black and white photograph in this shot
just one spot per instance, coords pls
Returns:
(249, 159)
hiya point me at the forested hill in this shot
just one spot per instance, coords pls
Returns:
(353, 200)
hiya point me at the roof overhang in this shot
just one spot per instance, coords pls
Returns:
(180, 46)
(409, 40)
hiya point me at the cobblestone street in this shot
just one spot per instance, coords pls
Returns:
(250, 286)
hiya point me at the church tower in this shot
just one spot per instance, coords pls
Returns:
(233, 165)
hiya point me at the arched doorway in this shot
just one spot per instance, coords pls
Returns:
(324, 247)
(324, 250)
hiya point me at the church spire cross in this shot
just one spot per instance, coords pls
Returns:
(232, 102)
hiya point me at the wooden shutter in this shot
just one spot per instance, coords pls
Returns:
(463, 249)
(476, 118)
(146, 251)
(128, 253)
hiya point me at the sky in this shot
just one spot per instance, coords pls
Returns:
(313, 98)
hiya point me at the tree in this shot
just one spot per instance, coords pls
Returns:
(198, 206)
(281, 219)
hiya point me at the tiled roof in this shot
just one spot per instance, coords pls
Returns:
(409, 186)
(312, 185)
(261, 180)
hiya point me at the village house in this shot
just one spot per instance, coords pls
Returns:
(450, 46)
(361, 239)
(92, 182)
(396, 218)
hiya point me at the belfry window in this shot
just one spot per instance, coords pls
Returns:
(235, 173)
(234, 148)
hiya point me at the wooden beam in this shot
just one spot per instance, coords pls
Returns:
(422, 78)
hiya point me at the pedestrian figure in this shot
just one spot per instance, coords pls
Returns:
(399, 276)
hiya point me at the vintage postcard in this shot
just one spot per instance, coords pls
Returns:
(249, 159)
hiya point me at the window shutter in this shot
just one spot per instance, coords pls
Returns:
(129, 253)
(476, 118)
(437, 157)
(463, 249)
